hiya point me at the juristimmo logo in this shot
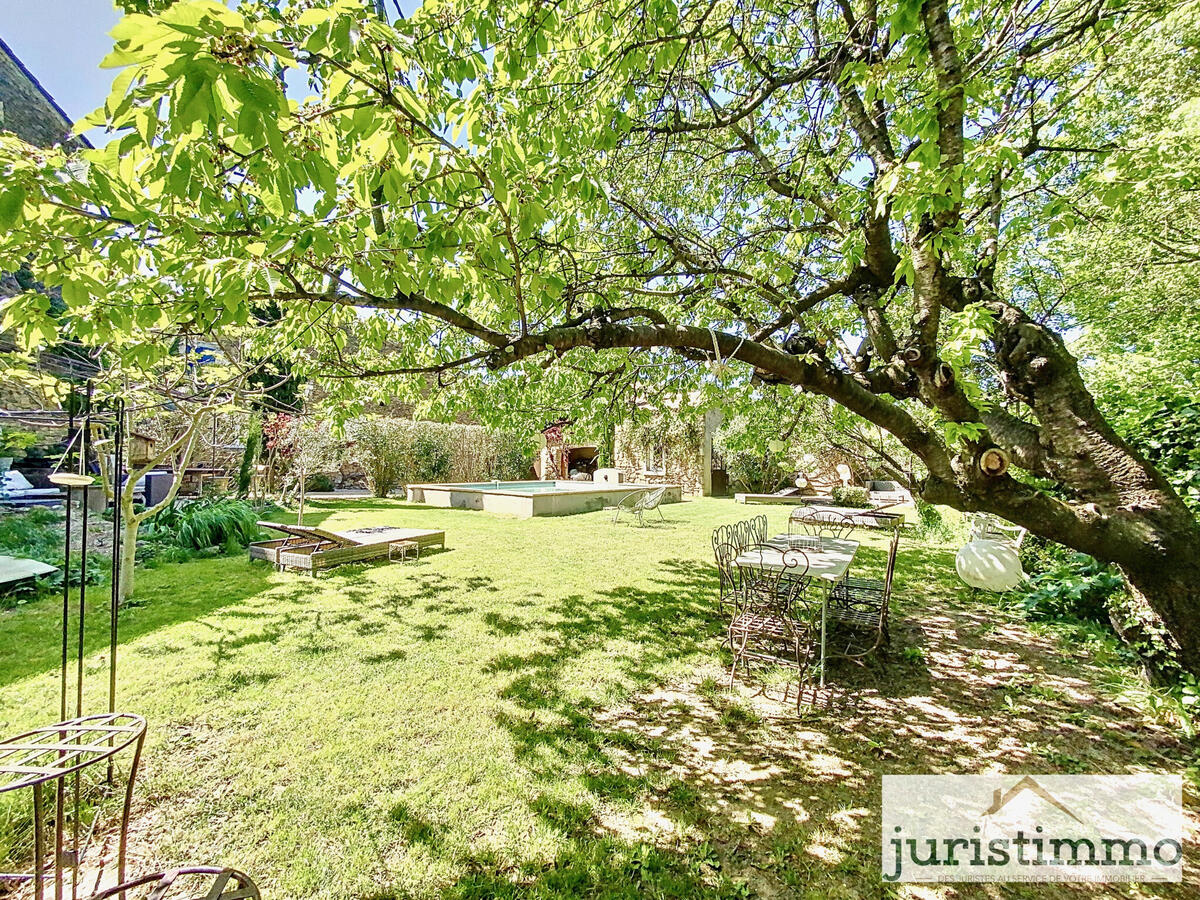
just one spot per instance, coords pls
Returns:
(1032, 828)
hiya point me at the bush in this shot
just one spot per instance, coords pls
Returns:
(753, 471)
(321, 483)
(380, 447)
(396, 452)
(219, 522)
(931, 526)
(37, 533)
(252, 453)
(1077, 587)
(1169, 434)
(847, 495)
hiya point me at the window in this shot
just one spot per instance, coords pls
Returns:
(654, 459)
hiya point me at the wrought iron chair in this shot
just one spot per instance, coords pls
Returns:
(758, 529)
(859, 609)
(730, 576)
(774, 623)
(819, 523)
(191, 882)
(722, 534)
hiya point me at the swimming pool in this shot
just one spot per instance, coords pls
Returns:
(525, 499)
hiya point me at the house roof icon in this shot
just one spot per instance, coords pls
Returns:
(1001, 798)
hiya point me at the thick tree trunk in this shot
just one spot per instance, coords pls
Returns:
(1164, 573)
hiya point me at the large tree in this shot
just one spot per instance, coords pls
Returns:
(829, 194)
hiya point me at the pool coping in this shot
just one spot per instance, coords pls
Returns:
(526, 504)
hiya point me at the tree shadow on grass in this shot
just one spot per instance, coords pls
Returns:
(37, 630)
(688, 791)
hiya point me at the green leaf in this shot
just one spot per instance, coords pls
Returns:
(12, 206)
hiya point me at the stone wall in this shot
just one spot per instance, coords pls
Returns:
(682, 466)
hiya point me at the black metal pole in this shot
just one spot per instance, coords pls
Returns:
(83, 550)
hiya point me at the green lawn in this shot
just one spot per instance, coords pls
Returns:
(539, 711)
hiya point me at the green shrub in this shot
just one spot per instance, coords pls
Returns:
(205, 523)
(753, 471)
(380, 447)
(37, 533)
(15, 441)
(252, 453)
(396, 452)
(431, 460)
(849, 495)
(1077, 587)
(1169, 434)
(931, 524)
(321, 483)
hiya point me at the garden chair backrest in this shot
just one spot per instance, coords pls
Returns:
(726, 554)
(819, 522)
(758, 529)
(15, 481)
(651, 499)
(987, 527)
(891, 565)
(722, 534)
(771, 589)
(307, 531)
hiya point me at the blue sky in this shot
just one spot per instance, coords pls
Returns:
(62, 42)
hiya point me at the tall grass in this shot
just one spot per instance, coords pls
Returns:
(204, 523)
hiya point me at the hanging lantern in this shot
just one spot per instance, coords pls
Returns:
(989, 565)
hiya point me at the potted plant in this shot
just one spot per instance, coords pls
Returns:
(13, 443)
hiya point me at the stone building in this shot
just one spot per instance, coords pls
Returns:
(673, 450)
(27, 109)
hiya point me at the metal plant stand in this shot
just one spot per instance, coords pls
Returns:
(192, 882)
(53, 759)
(56, 757)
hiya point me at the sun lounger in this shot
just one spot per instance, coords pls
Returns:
(15, 490)
(308, 548)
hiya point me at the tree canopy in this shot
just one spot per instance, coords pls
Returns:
(531, 203)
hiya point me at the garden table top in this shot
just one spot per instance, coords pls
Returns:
(830, 563)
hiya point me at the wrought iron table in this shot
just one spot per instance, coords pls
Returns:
(829, 563)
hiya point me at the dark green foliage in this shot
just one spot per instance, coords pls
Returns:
(1066, 586)
(849, 495)
(37, 533)
(251, 455)
(432, 458)
(321, 483)
(1069, 586)
(1169, 435)
(931, 527)
(205, 523)
(752, 470)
